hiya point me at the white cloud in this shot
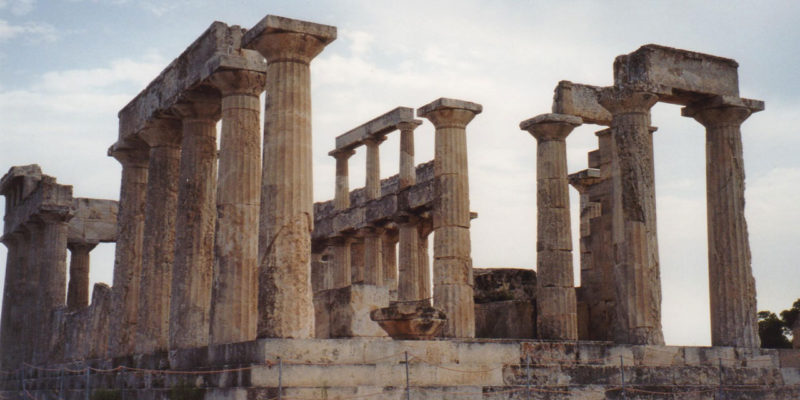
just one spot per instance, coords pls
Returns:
(32, 31)
(18, 7)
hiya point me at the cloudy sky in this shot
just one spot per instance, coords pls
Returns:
(69, 66)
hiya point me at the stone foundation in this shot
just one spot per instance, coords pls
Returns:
(453, 369)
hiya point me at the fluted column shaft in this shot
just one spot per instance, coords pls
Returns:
(340, 246)
(730, 276)
(556, 316)
(128, 249)
(452, 264)
(341, 262)
(152, 325)
(78, 287)
(373, 256)
(389, 241)
(285, 303)
(408, 284)
(408, 173)
(13, 314)
(190, 291)
(423, 258)
(234, 309)
(341, 200)
(373, 179)
(636, 267)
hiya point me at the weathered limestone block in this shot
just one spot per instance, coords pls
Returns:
(557, 315)
(451, 213)
(581, 101)
(152, 324)
(99, 320)
(345, 312)
(505, 303)
(677, 76)
(234, 306)
(636, 269)
(285, 304)
(94, 221)
(730, 276)
(415, 320)
(128, 251)
(192, 270)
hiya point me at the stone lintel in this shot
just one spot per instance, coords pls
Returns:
(217, 49)
(447, 103)
(48, 199)
(581, 101)
(29, 174)
(677, 76)
(585, 178)
(722, 101)
(275, 24)
(94, 221)
(376, 127)
(550, 119)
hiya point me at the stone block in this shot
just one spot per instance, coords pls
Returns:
(581, 101)
(677, 76)
(94, 221)
(501, 284)
(348, 311)
(510, 319)
(375, 127)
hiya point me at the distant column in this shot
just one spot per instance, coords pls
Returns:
(285, 305)
(452, 254)
(52, 282)
(556, 315)
(190, 291)
(636, 270)
(730, 276)
(408, 173)
(373, 251)
(152, 326)
(340, 246)
(424, 229)
(78, 288)
(128, 249)
(389, 260)
(408, 284)
(234, 309)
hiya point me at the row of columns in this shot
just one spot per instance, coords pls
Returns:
(192, 265)
(636, 275)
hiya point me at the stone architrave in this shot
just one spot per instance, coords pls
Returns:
(192, 270)
(152, 324)
(128, 251)
(451, 219)
(285, 300)
(556, 305)
(235, 292)
(636, 266)
(730, 276)
(78, 287)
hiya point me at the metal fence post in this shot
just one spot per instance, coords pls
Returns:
(88, 388)
(528, 376)
(61, 383)
(719, 387)
(408, 382)
(622, 377)
(280, 378)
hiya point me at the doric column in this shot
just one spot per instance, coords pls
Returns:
(234, 309)
(372, 188)
(389, 260)
(152, 325)
(636, 266)
(285, 305)
(408, 284)
(13, 314)
(556, 315)
(128, 250)
(424, 229)
(341, 200)
(340, 246)
(408, 173)
(190, 291)
(78, 288)
(34, 302)
(730, 276)
(452, 264)
(373, 256)
(357, 262)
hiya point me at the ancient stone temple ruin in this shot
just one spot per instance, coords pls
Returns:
(231, 283)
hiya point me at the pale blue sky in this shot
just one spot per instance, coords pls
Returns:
(69, 66)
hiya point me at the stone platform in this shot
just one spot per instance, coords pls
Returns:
(375, 368)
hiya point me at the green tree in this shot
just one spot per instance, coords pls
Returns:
(775, 332)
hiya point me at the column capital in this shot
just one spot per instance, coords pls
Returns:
(198, 106)
(624, 101)
(130, 154)
(547, 127)
(583, 180)
(284, 39)
(447, 113)
(81, 246)
(162, 132)
(239, 81)
(408, 125)
(341, 154)
(58, 216)
(722, 110)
